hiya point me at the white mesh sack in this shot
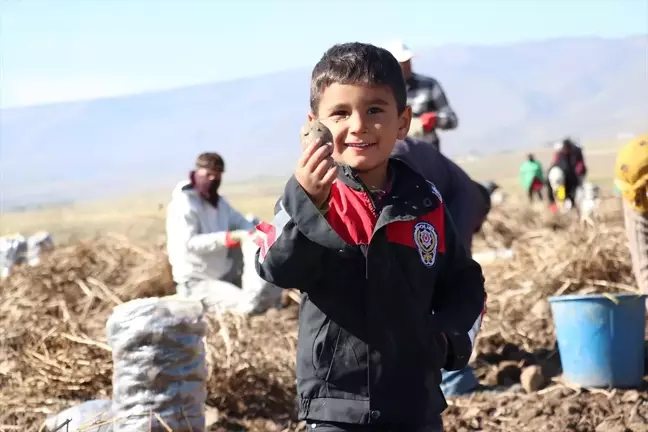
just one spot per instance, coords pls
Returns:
(90, 416)
(159, 368)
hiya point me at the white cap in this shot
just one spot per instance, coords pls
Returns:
(399, 50)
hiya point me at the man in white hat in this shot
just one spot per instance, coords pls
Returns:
(425, 95)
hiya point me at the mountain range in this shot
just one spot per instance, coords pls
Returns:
(508, 97)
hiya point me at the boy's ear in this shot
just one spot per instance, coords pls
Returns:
(404, 120)
(311, 116)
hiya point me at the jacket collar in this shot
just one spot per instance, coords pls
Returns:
(404, 178)
(408, 188)
(188, 189)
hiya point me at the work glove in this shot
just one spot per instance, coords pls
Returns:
(429, 121)
(234, 238)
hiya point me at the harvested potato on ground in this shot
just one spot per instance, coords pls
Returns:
(312, 130)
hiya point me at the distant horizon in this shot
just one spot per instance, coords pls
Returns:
(293, 69)
(56, 51)
(509, 96)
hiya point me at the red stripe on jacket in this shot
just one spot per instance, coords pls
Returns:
(402, 232)
(352, 217)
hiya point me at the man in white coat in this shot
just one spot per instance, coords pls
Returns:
(202, 228)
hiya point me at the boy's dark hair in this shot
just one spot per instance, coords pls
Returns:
(358, 63)
(210, 160)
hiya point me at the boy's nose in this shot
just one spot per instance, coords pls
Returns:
(357, 124)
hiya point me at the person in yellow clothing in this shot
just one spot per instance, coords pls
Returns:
(631, 179)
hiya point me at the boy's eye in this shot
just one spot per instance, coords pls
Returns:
(339, 114)
(375, 110)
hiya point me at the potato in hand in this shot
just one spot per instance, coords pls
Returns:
(312, 130)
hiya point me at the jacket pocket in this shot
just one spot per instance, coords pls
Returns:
(440, 349)
(348, 369)
(325, 345)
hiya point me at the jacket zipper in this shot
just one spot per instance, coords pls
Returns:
(366, 254)
(375, 211)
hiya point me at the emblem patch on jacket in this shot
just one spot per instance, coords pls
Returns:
(426, 241)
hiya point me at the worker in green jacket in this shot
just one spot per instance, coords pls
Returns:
(531, 177)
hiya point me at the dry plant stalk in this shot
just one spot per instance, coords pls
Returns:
(54, 354)
(53, 349)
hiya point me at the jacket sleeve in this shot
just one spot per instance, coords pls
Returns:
(581, 167)
(555, 158)
(457, 188)
(636, 226)
(459, 300)
(467, 206)
(539, 172)
(236, 220)
(446, 117)
(183, 229)
(286, 257)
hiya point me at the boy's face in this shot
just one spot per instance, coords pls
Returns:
(364, 122)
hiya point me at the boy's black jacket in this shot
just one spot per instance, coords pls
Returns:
(377, 292)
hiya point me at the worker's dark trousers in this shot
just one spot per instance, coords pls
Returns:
(344, 427)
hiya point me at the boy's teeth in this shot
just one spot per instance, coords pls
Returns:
(359, 145)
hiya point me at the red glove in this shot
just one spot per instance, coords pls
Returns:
(230, 242)
(234, 238)
(429, 120)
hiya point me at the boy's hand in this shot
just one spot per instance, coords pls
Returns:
(316, 171)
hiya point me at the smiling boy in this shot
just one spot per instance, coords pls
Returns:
(389, 294)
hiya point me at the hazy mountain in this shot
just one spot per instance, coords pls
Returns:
(507, 97)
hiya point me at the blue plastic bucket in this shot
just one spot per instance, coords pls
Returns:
(601, 342)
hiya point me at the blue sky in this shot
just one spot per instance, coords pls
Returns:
(55, 50)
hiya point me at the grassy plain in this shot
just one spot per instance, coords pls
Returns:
(141, 217)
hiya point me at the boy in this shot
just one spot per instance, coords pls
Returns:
(389, 294)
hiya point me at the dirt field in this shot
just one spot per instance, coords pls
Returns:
(53, 351)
